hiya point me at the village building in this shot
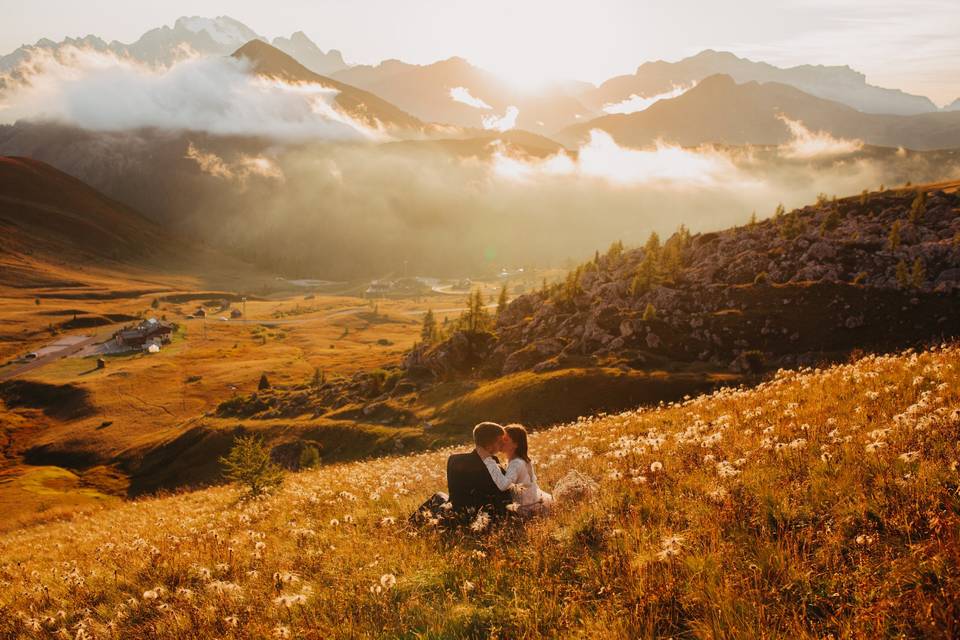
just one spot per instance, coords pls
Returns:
(148, 333)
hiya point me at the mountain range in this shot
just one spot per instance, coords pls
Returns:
(204, 36)
(427, 91)
(718, 110)
(841, 84)
(454, 91)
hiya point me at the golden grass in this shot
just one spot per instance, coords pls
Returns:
(142, 401)
(820, 504)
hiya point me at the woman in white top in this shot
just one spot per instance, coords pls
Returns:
(519, 474)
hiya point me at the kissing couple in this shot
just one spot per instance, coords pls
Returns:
(478, 483)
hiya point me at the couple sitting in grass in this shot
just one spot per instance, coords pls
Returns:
(478, 484)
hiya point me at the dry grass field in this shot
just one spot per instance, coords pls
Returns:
(822, 503)
(99, 422)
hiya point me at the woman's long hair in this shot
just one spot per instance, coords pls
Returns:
(518, 434)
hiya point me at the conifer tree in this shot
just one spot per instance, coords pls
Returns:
(649, 313)
(917, 274)
(918, 207)
(249, 463)
(502, 300)
(428, 333)
(903, 275)
(893, 240)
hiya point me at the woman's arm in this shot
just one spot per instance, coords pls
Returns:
(503, 480)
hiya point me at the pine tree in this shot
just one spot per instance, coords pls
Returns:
(249, 463)
(645, 276)
(893, 240)
(319, 378)
(615, 250)
(753, 219)
(502, 300)
(428, 333)
(649, 313)
(653, 244)
(264, 382)
(918, 207)
(903, 275)
(917, 274)
(779, 211)
(831, 222)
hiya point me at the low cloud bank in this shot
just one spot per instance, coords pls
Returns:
(502, 123)
(807, 144)
(102, 92)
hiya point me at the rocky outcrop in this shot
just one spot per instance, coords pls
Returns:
(815, 282)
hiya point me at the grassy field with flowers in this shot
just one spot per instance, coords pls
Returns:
(823, 503)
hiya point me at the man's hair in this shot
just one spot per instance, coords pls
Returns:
(485, 433)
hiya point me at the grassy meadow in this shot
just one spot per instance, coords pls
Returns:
(822, 503)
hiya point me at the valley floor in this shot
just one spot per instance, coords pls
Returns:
(822, 503)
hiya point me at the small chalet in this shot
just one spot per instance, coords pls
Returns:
(147, 333)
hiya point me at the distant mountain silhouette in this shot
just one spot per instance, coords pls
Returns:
(205, 36)
(374, 111)
(722, 111)
(163, 45)
(839, 83)
(310, 55)
(953, 106)
(424, 90)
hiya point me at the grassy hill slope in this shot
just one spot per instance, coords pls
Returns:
(821, 503)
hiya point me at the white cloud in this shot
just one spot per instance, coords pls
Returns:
(636, 103)
(463, 95)
(814, 144)
(502, 123)
(602, 158)
(239, 171)
(103, 92)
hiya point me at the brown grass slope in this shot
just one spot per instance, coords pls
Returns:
(820, 504)
(51, 217)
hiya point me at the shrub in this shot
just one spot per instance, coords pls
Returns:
(264, 382)
(249, 464)
(309, 456)
(755, 360)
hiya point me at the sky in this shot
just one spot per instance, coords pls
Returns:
(906, 44)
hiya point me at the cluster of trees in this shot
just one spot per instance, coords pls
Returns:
(661, 263)
(913, 276)
(475, 318)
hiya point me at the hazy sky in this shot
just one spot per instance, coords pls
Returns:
(913, 45)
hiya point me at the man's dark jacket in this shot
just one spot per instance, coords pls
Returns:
(471, 486)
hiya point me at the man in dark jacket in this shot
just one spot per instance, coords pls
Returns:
(468, 480)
